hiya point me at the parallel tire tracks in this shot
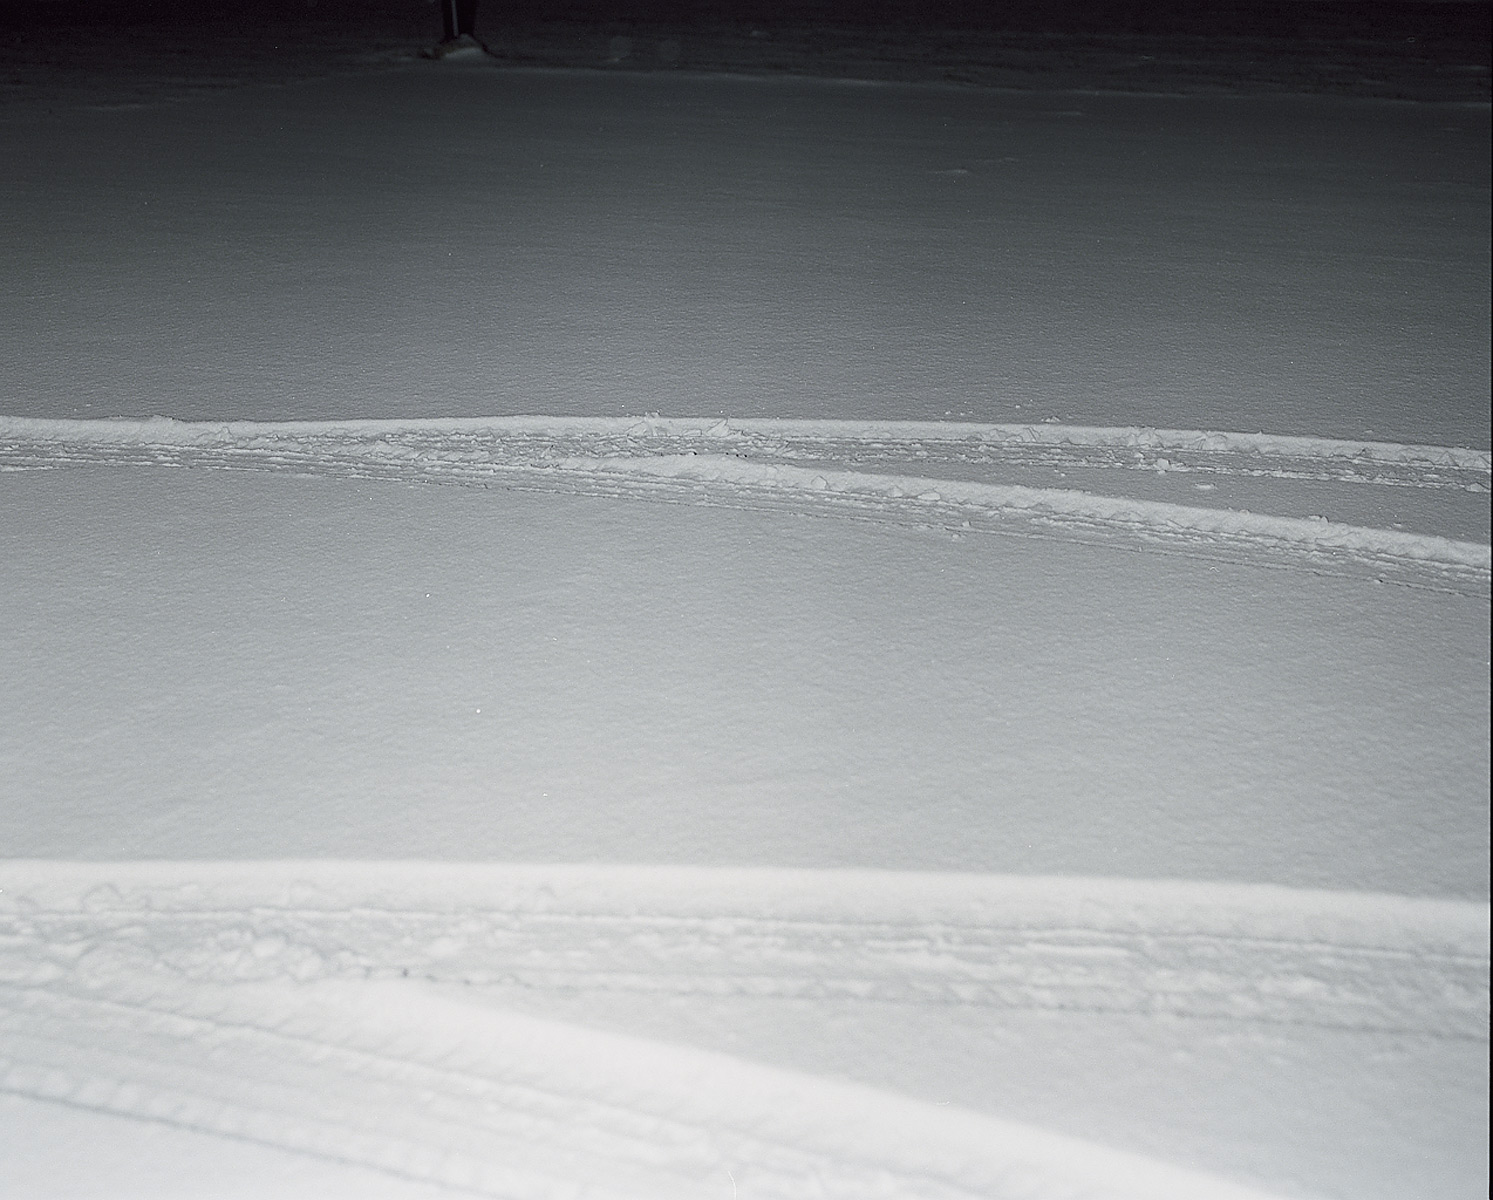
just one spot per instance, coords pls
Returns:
(1423, 990)
(351, 1011)
(902, 472)
(396, 1079)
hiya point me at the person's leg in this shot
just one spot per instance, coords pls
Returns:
(466, 17)
(448, 20)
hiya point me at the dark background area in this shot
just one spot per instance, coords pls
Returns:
(1406, 49)
(1464, 22)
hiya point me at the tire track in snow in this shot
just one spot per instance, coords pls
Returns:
(269, 1001)
(1275, 956)
(1393, 463)
(761, 464)
(393, 1077)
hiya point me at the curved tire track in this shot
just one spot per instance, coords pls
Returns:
(391, 1077)
(820, 466)
(274, 1002)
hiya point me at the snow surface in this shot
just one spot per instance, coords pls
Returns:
(471, 241)
(1017, 724)
(566, 678)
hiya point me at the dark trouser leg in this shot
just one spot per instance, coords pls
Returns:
(448, 19)
(466, 17)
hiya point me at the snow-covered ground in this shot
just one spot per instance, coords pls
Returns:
(486, 241)
(649, 635)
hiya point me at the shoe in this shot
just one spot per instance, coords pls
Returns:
(462, 46)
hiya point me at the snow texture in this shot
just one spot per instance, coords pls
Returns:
(950, 661)
(640, 455)
(592, 244)
(118, 980)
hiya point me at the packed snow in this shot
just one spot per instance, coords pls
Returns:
(652, 634)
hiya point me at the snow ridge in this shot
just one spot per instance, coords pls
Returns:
(168, 431)
(1061, 506)
(393, 1077)
(870, 470)
(1374, 962)
(278, 1002)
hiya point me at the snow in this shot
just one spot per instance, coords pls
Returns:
(566, 678)
(472, 242)
(644, 635)
(298, 977)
